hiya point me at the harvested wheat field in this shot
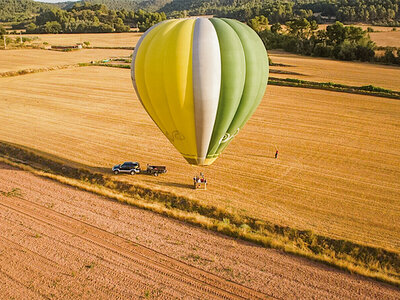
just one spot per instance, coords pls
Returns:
(391, 38)
(125, 39)
(337, 174)
(58, 242)
(328, 70)
(15, 60)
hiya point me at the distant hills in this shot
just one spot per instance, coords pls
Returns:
(112, 4)
(150, 5)
(377, 12)
(19, 10)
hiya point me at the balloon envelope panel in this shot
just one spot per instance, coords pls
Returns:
(200, 80)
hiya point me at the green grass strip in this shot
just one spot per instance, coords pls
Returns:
(336, 87)
(369, 90)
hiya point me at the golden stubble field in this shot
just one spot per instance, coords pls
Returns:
(328, 70)
(382, 36)
(391, 38)
(337, 173)
(15, 60)
(124, 39)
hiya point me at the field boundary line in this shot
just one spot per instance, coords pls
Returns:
(39, 70)
(368, 90)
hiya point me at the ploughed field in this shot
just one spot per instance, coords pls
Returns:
(339, 154)
(328, 70)
(59, 242)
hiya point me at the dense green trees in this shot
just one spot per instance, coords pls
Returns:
(2, 31)
(144, 20)
(337, 41)
(88, 17)
(19, 10)
(391, 56)
(369, 11)
(383, 12)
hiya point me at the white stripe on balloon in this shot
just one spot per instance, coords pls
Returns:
(206, 67)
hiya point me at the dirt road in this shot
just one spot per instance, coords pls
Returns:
(59, 242)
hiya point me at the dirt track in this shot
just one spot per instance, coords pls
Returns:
(59, 242)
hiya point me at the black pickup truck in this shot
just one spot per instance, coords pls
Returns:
(134, 168)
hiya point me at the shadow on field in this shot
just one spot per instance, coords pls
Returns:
(13, 152)
(101, 169)
(176, 184)
(262, 156)
(62, 164)
(4, 166)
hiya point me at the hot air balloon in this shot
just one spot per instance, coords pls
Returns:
(200, 80)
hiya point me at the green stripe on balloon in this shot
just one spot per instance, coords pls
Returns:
(233, 73)
(256, 77)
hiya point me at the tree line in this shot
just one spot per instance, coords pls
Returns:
(378, 12)
(20, 10)
(336, 41)
(89, 17)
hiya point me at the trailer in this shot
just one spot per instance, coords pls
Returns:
(154, 170)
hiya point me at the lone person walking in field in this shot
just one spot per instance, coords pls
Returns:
(276, 154)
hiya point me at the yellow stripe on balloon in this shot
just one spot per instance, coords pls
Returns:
(178, 84)
(145, 66)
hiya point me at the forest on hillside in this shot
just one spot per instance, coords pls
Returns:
(377, 12)
(19, 10)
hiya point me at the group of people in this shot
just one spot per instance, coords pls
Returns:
(199, 179)
(200, 182)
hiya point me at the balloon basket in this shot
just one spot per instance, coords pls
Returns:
(200, 185)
